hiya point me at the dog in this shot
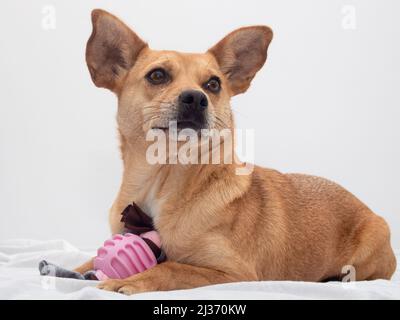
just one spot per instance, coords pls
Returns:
(217, 226)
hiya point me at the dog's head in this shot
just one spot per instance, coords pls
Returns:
(156, 87)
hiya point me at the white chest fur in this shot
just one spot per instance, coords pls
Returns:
(151, 204)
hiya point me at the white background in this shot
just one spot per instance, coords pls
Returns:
(327, 103)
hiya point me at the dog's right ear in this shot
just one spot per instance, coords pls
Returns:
(111, 51)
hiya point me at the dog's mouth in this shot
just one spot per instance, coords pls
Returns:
(189, 124)
(183, 124)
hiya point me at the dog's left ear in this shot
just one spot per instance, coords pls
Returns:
(241, 54)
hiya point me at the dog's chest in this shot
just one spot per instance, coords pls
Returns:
(150, 204)
(178, 234)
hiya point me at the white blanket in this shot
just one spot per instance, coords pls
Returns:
(20, 279)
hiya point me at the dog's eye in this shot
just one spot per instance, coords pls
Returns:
(157, 76)
(213, 85)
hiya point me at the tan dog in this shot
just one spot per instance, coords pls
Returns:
(217, 226)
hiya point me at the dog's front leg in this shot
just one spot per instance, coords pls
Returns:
(167, 276)
(87, 266)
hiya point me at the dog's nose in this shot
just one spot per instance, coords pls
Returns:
(192, 109)
(194, 99)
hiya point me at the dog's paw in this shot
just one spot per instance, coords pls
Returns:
(110, 285)
(128, 290)
(123, 286)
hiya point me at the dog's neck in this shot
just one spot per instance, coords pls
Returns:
(157, 187)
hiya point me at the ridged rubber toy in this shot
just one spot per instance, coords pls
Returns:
(125, 255)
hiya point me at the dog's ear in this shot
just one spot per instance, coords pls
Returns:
(241, 54)
(111, 50)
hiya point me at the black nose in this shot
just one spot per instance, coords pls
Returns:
(192, 109)
(194, 99)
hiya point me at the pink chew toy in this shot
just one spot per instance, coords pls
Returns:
(125, 255)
